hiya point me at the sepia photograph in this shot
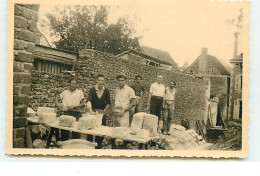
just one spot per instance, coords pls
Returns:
(130, 78)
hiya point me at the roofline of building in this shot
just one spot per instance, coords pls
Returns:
(66, 51)
(210, 55)
(235, 61)
(144, 55)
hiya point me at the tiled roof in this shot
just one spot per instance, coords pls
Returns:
(160, 55)
(212, 62)
(154, 55)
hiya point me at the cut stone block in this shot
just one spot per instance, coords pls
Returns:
(143, 133)
(67, 121)
(87, 123)
(118, 131)
(47, 118)
(138, 120)
(151, 124)
(46, 110)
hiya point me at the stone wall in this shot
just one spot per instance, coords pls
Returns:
(190, 98)
(25, 25)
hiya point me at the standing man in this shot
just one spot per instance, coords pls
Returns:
(139, 89)
(99, 101)
(124, 107)
(72, 100)
(155, 99)
(168, 107)
(124, 102)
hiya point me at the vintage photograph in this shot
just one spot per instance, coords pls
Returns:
(128, 79)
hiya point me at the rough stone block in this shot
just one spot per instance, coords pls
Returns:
(24, 78)
(15, 100)
(32, 25)
(18, 143)
(19, 132)
(23, 100)
(20, 22)
(18, 67)
(16, 32)
(19, 44)
(15, 90)
(26, 89)
(27, 35)
(29, 14)
(28, 67)
(30, 47)
(22, 111)
(29, 6)
(17, 10)
(19, 122)
(35, 7)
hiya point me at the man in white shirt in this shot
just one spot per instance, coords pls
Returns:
(124, 102)
(72, 100)
(155, 100)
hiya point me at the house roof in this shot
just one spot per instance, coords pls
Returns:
(160, 55)
(143, 55)
(212, 62)
(238, 58)
(154, 55)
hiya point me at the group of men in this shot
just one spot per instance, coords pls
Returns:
(127, 102)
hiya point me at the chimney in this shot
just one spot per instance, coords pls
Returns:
(236, 34)
(204, 51)
(203, 61)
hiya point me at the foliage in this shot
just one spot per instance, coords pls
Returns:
(238, 21)
(78, 27)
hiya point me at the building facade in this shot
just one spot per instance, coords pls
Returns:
(236, 84)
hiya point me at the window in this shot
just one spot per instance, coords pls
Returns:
(191, 72)
(238, 82)
(50, 67)
(240, 109)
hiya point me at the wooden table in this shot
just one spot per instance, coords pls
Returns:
(102, 131)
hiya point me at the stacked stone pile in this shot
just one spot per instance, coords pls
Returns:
(179, 139)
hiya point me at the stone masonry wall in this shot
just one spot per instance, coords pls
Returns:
(190, 97)
(25, 25)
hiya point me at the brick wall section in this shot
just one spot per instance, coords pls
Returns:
(190, 99)
(25, 25)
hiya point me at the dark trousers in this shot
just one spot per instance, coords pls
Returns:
(156, 106)
(65, 134)
(98, 139)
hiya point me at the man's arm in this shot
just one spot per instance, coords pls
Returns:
(108, 101)
(131, 105)
(57, 100)
(150, 96)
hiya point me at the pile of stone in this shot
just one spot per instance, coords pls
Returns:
(179, 139)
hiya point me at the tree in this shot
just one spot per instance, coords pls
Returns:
(78, 27)
(238, 21)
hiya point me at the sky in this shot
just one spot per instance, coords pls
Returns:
(181, 28)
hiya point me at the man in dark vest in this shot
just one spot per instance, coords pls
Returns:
(99, 101)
